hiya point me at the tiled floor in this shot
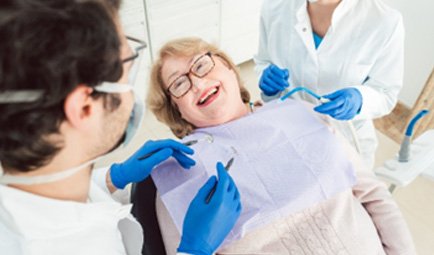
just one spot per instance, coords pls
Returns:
(416, 200)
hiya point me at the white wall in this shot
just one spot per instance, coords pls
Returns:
(233, 25)
(418, 21)
(240, 28)
(133, 19)
(419, 45)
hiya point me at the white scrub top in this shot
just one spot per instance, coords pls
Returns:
(363, 48)
(31, 224)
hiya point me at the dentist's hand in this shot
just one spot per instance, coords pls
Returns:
(135, 169)
(207, 225)
(344, 104)
(273, 80)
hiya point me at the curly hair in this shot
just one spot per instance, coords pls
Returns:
(51, 46)
(159, 101)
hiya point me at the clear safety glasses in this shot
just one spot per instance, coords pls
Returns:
(200, 68)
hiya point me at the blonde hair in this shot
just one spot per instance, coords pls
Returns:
(159, 101)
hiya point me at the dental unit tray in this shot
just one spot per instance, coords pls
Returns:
(420, 163)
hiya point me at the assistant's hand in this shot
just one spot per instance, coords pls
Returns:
(136, 170)
(344, 105)
(207, 225)
(273, 80)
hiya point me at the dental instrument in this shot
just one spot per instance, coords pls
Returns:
(207, 138)
(211, 193)
(308, 91)
(324, 100)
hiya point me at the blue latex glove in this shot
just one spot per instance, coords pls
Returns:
(344, 105)
(136, 170)
(273, 80)
(206, 225)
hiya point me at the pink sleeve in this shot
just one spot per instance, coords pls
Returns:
(378, 202)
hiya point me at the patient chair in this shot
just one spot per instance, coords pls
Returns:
(143, 198)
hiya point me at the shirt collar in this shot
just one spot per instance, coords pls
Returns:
(302, 15)
(34, 216)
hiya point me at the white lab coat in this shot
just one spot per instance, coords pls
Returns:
(31, 224)
(365, 39)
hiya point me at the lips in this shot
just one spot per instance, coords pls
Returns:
(208, 96)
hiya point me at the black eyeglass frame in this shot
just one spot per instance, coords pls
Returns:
(190, 71)
(142, 45)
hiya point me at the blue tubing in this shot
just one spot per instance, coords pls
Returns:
(413, 121)
(298, 89)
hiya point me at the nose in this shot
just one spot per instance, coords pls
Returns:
(197, 83)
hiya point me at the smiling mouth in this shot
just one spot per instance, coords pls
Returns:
(204, 99)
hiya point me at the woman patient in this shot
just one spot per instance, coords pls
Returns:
(303, 189)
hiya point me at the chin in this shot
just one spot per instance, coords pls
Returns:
(213, 122)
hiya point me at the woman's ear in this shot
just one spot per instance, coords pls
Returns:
(79, 106)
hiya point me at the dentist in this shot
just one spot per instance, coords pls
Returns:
(67, 97)
(351, 51)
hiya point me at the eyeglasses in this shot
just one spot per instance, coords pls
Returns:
(137, 45)
(200, 68)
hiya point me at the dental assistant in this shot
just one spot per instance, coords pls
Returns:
(67, 98)
(350, 51)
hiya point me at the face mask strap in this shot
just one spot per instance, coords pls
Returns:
(20, 96)
(42, 179)
(112, 87)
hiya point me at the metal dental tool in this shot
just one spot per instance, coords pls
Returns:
(211, 193)
(207, 138)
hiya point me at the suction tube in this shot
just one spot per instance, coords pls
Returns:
(404, 151)
(298, 89)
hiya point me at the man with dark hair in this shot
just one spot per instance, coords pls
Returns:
(67, 97)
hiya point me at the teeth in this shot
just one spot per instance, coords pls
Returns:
(212, 91)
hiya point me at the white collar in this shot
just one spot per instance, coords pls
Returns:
(32, 215)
